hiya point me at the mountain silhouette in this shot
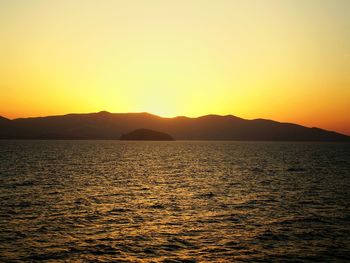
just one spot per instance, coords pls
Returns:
(105, 125)
(4, 120)
(146, 135)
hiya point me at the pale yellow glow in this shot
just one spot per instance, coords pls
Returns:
(279, 59)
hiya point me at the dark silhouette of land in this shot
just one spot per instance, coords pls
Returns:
(146, 135)
(105, 125)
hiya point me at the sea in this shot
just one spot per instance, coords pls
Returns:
(180, 201)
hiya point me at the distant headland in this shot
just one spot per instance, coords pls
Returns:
(111, 126)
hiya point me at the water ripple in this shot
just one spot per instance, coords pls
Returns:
(107, 201)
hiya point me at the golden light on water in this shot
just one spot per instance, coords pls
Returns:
(282, 60)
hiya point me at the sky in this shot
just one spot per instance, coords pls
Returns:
(286, 60)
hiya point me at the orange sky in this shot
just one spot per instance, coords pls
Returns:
(284, 60)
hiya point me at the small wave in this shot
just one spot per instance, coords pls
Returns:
(233, 218)
(257, 170)
(157, 206)
(24, 204)
(236, 245)
(179, 260)
(298, 220)
(268, 235)
(119, 210)
(206, 195)
(82, 201)
(46, 256)
(180, 241)
(296, 169)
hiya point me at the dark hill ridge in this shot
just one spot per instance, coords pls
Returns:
(3, 119)
(146, 135)
(105, 125)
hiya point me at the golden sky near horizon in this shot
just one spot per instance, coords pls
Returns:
(285, 60)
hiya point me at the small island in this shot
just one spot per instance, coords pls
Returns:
(146, 135)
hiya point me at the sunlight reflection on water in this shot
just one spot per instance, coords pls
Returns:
(173, 201)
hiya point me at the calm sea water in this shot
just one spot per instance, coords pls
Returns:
(102, 201)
